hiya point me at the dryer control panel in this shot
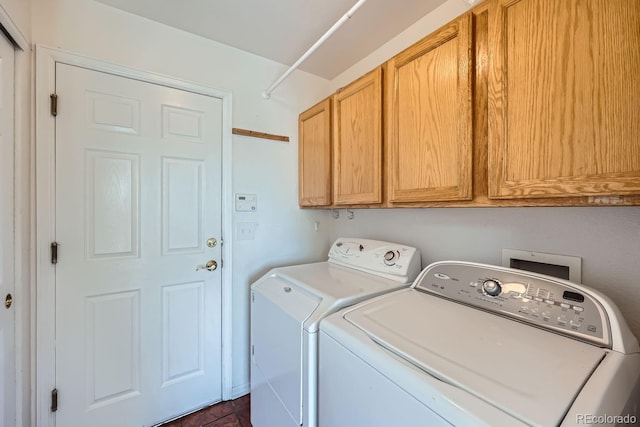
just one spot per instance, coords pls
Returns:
(540, 300)
(390, 260)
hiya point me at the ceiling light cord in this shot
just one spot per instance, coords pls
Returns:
(267, 93)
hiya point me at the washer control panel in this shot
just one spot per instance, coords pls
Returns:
(389, 260)
(538, 300)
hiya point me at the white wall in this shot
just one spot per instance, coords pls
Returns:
(607, 238)
(284, 234)
(447, 11)
(18, 12)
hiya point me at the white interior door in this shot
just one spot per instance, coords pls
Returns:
(7, 315)
(138, 194)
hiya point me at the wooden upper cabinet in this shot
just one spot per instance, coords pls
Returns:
(428, 108)
(564, 98)
(314, 152)
(357, 141)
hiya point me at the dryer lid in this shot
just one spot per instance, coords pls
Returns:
(328, 288)
(529, 373)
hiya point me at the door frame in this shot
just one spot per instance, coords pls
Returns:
(22, 220)
(43, 316)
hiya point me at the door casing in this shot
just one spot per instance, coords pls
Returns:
(43, 316)
(8, 285)
(21, 220)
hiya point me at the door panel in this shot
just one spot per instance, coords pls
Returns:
(429, 120)
(138, 193)
(357, 141)
(7, 315)
(314, 155)
(563, 105)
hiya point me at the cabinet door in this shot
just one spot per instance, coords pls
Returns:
(357, 137)
(314, 153)
(564, 97)
(429, 110)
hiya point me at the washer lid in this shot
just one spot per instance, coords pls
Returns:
(529, 373)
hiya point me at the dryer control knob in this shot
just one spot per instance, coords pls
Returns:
(491, 287)
(390, 257)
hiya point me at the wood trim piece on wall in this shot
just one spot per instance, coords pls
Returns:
(252, 133)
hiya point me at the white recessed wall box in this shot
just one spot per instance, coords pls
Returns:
(562, 266)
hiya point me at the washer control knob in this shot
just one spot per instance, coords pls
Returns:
(491, 287)
(390, 257)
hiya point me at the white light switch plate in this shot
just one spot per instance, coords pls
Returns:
(246, 230)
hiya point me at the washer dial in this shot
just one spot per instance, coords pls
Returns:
(491, 287)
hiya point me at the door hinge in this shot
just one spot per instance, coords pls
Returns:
(54, 252)
(253, 350)
(54, 400)
(54, 104)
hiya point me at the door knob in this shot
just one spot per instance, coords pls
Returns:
(210, 265)
(8, 301)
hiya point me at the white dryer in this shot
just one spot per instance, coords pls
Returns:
(287, 305)
(478, 345)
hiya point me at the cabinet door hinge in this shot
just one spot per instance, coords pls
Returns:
(54, 104)
(54, 400)
(54, 252)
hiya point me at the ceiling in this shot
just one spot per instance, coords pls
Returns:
(283, 30)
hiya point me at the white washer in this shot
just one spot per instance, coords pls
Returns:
(477, 345)
(287, 305)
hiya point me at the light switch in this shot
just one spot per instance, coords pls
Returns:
(246, 202)
(246, 230)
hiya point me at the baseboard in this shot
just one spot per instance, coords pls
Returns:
(241, 390)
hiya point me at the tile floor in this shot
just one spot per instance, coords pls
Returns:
(232, 413)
